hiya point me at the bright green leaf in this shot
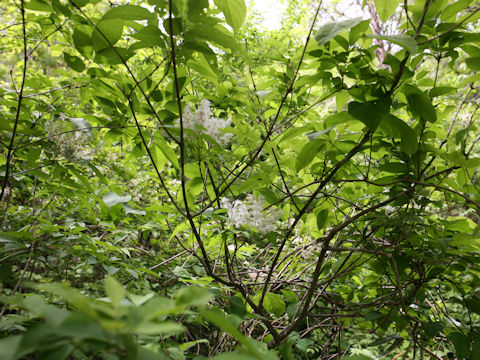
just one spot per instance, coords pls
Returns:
(106, 33)
(234, 11)
(308, 153)
(472, 163)
(159, 328)
(168, 152)
(386, 8)
(114, 291)
(128, 12)
(274, 304)
(329, 31)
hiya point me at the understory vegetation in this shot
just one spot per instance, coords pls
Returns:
(179, 182)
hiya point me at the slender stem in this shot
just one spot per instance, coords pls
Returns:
(10, 150)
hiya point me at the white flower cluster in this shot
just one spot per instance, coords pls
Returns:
(250, 212)
(74, 144)
(202, 122)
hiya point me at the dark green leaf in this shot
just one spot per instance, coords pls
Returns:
(385, 340)
(370, 113)
(441, 90)
(113, 56)
(236, 306)
(473, 63)
(74, 62)
(397, 128)
(322, 218)
(419, 103)
(373, 315)
(432, 328)
(462, 345)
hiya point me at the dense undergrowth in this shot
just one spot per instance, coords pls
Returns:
(177, 183)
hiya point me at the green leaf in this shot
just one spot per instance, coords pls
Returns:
(317, 134)
(473, 63)
(256, 348)
(406, 42)
(147, 354)
(236, 306)
(128, 12)
(441, 90)
(106, 33)
(419, 103)
(394, 167)
(432, 328)
(274, 304)
(80, 3)
(112, 199)
(234, 356)
(83, 43)
(159, 328)
(397, 128)
(462, 345)
(202, 66)
(472, 163)
(61, 9)
(193, 296)
(308, 153)
(79, 326)
(358, 357)
(114, 290)
(234, 11)
(168, 152)
(38, 5)
(328, 31)
(150, 35)
(113, 56)
(384, 340)
(452, 10)
(373, 315)
(9, 346)
(370, 113)
(386, 8)
(322, 218)
(420, 106)
(74, 62)
(215, 34)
